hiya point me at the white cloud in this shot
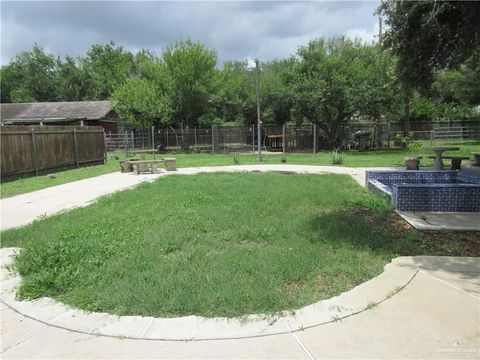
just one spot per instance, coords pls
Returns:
(237, 30)
(362, 34)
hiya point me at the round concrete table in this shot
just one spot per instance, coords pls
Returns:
(438, 150)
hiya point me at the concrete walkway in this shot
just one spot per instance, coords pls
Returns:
(436, 315)
(25, 208)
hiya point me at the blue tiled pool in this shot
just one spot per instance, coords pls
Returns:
(427, 190)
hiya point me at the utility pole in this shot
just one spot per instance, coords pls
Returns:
(259, 137)
(380, 30)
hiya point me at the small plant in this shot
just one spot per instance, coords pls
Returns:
(371, 305)
(407, 142)
(336, 158)
(283, 160)
(336, 318)
(236, 159)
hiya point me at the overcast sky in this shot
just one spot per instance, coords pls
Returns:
(237, 30)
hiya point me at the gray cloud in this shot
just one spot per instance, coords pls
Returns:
(237, 30)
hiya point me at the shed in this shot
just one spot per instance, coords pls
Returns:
(80, 113)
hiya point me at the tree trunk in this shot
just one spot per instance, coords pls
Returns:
(406, 116)
(184, 141)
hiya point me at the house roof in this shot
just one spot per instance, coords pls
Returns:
(54, 111)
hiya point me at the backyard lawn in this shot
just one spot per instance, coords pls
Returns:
(385, 158)
(215, 245)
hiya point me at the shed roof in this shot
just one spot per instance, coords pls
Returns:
(72, 110)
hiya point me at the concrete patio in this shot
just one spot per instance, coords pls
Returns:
(435, 316)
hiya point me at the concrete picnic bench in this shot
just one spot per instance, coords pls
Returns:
(438, 150)
(138, 166)
(456, 161)
(476, 156)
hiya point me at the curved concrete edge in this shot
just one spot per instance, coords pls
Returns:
(396, 275)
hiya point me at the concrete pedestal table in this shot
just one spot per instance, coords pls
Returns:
(438, 150)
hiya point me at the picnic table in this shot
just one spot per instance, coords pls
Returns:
(439, 150)
(143, 153)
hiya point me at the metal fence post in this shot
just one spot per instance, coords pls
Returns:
(35, 157)
(284, 142)
(75, 143)
(314, 138)
(166, 131)
(253, 139)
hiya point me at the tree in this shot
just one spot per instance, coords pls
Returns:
(190, 68)
(276, 91)
(339, 79)
(30, 76)
(140, 103)
(233, 98)
(74, 83)
(107, 66)
(428, 36)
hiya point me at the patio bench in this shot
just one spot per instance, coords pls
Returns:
(476, 156)
(456, 161)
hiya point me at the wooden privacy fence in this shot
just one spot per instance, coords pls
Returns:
(35, 150)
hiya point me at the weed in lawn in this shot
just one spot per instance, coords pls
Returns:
(336, 158)
(236, 159)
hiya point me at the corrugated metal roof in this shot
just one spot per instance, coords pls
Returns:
(87, 110)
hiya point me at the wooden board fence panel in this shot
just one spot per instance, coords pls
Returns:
(35, 150)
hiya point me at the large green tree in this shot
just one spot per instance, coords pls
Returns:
(337, 80)
(31, 76)
(141, 103)
(427, 36)
(107, 66)
(190, 68)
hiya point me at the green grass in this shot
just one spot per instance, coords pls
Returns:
(212, 245)
(387, 158)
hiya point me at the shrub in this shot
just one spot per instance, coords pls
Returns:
(337, 158)
(236, 159)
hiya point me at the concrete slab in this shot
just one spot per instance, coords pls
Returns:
(60, 344)
(16, 328)
(442, 221)
(466, 281)
(426, 320)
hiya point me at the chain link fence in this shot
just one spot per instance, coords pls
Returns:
(287, 138)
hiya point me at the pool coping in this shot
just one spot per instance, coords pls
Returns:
(396, 275)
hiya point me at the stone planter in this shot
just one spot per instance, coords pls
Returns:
(412, 162)
(170, 164)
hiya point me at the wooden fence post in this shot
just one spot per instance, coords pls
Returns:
(75, 144)
(104, 147)
(35, 156)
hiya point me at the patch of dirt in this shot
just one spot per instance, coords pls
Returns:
(456, 243)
